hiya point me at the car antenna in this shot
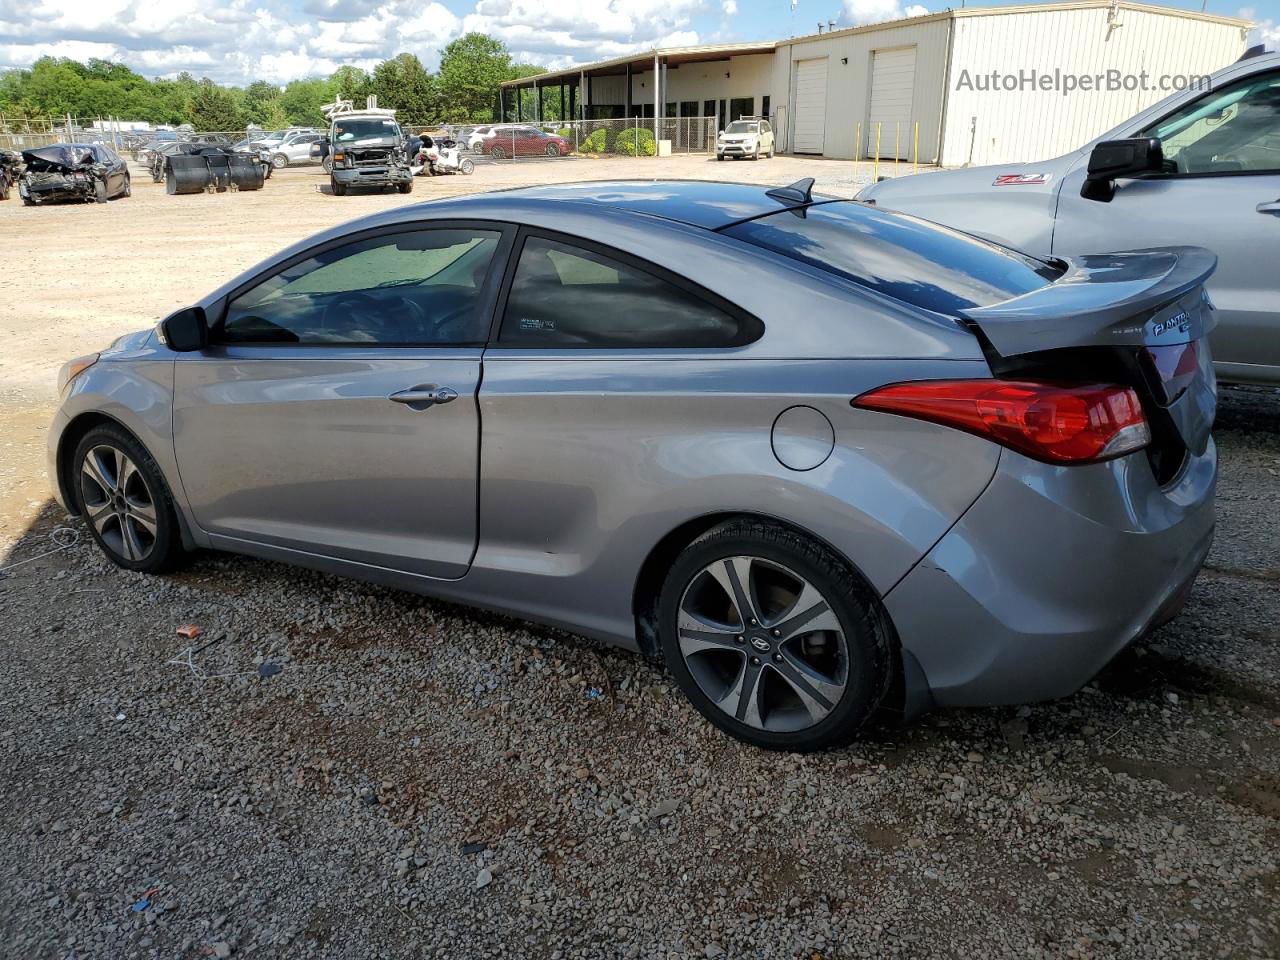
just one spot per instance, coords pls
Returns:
(799, 192)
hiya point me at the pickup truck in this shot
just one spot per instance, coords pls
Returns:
(1201, 167)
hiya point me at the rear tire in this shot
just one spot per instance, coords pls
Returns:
(467, 167)
(812, 649)
(497, 153)
(125, 501)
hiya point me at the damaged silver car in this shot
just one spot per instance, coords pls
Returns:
(73, 171)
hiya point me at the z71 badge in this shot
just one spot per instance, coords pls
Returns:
(1021, 179)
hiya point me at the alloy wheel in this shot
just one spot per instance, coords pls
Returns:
(118, 502)
(763, 644)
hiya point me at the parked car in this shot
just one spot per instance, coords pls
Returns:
(294, 150)
(73, 171)
(525, 142)
(819, 456)
(478, 135)
(1201, 166)
(745, 137)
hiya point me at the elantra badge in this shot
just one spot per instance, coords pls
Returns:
(1178, 322)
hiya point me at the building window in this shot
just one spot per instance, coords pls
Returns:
(764, 107)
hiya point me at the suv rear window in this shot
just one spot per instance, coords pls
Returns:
(911, 260)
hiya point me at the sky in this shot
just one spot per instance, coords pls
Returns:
(236, 41)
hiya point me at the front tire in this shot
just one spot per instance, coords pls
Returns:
(406, 187)
(337, 188)
(128, 187)
(279, 161)
(773, 638)
(467, 168)
(125, 501)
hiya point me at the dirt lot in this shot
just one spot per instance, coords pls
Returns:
(418, 780)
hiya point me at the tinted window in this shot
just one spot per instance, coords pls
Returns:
(911, 260)
(421, 287)
(1232, 130)
(564, 295)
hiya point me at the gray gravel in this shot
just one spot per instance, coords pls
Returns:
(345, 771)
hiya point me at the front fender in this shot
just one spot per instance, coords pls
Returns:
(138, 395)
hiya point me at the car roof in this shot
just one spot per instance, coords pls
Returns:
(699, 203)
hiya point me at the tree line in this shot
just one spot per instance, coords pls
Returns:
(463, 90)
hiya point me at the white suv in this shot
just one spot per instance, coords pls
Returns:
(745, 137)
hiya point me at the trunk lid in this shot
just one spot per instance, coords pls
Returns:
(1140, 317)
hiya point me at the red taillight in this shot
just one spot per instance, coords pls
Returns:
(1172, 369)
(1055, 422)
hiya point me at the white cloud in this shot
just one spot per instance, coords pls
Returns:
(730, 7)
(859, 12)
(235, 41)
(1266, 32)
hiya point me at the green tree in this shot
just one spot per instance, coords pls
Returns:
(214, 108)
(302, 100)
(404, 85)
(471, 68)
(350, 83)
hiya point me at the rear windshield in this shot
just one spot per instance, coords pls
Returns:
(912, 260)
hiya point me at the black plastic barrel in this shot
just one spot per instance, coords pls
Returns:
(219, 170)
(185, 174)
(247, 173)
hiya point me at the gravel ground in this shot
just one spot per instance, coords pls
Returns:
(337, 770)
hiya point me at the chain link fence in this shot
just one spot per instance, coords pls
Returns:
(634, 137)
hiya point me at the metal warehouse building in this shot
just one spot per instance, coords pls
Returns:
(968, 86)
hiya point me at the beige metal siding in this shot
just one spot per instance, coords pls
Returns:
(893, 76)
(1004, 126)
(811, 106)
(848, 104)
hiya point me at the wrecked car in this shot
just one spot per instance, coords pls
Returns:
(73, 171)
(10, 170)
(366, 149)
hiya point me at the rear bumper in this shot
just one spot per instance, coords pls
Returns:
(1050, 574)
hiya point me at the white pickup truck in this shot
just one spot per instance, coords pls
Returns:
(1201, 167)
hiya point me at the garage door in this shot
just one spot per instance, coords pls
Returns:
(811, 106)
(893, 84)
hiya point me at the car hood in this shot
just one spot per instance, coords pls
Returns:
(1043, 177)
(58, 159)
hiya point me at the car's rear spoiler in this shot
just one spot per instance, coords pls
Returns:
(1135, 298)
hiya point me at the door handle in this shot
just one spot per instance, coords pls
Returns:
(1272, 207)
(419, 398)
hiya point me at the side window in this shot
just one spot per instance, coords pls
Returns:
(1232, 130)
(565, 295)
(417, 287)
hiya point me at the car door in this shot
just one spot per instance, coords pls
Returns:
(593, 349)
(334, 412)
(1221, 191)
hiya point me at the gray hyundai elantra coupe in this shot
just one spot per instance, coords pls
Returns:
(818, 458)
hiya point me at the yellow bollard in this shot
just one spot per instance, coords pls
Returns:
(857, 149)
(875, 169)
(897, 144)
(915, 148)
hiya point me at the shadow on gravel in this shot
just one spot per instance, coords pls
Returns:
(1249, 409)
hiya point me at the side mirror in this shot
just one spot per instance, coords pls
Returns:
(1113, 160)
(185, 331)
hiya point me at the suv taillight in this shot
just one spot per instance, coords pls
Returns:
(1053, 422)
